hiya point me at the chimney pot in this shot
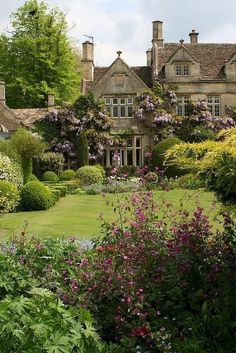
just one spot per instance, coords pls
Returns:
(149, 57)
(87, 62)
(158, 33)
(51, 100)
(193, 37)
(2, 92)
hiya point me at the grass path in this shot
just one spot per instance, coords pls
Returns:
(77, 215)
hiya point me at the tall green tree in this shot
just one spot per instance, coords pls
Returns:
(39, 57)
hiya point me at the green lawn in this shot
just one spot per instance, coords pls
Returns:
(77, 215)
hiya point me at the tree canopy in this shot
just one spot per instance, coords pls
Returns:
(38, 57)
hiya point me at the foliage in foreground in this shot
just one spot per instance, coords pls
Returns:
(164, 284)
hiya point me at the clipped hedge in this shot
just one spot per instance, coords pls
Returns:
(35, 196)
(158, 156)
(89, 175)
(67, 175)
(50, 176)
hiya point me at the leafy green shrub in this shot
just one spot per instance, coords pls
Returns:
(158, 156)
(50, 176)
(189, 181)
(67, 175)
(48, 161)
(82, 150)
(102, 170)
(151, 177)
(33, 178)
(7, 149)
(10, 171)
(28, 145)
(35, 196)
(79, 191)
(89, 175)
(9, 196)
(93, 189)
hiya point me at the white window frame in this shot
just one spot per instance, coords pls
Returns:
(182, 105)
(214, 105)
(123, 104)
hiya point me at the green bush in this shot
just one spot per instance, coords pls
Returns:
(33, 178)
(50, 176)
(82, 150)
(151, 177)
(67, 175)
(9, 197)
(35, 196)
(10, 171)
(48, 161)
(102, 170)
(89, 175)
(189, 181)
(56, 194)
(158, 156)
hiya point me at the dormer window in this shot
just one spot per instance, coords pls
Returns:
(182, 70)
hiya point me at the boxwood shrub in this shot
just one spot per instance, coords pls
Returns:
(89, 175)
(67, 175)
(158, 156)
(50, 176)
(35, 196)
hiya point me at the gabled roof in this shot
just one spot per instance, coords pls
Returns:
(183, 48)
(143, 73)
(212, 58)
(138, 72)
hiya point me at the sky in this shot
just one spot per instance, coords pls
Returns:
(126, 25)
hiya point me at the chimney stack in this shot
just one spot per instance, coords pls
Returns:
(87, 62)
(193, 37)
(149, 57)
(51, 100)
(2, 92)
(158, 33)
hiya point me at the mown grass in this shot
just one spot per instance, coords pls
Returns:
(77, 215)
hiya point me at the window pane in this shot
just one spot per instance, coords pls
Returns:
(122, 101)
(186, 70)
(115, 101)
(130, 100)
(122, 112)
(209, 99)
(129, 143)
(178, 71)
(107, 101)
(130, 157)
(138, 141)
(115, 112)
(217, 110)
(217, 99)
(139, 157)
(130, 112)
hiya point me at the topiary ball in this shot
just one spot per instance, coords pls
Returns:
(33, 178)
(67, 175)
(151, 177)
(35, 196)
(51, 177)
(89, 175)
(158, 156)
(9, 196)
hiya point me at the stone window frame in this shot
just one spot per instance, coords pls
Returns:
(182, 70)
(214, 104)
(120, 107)
(182, 107)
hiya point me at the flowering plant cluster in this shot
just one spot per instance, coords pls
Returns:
(10, 171)
(62, 128)
(160, 283)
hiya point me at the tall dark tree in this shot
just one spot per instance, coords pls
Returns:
(82, 150)
(38, 57)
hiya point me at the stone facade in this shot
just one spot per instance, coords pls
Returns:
(198, 71)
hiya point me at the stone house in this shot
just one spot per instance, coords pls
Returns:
(199, 71)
